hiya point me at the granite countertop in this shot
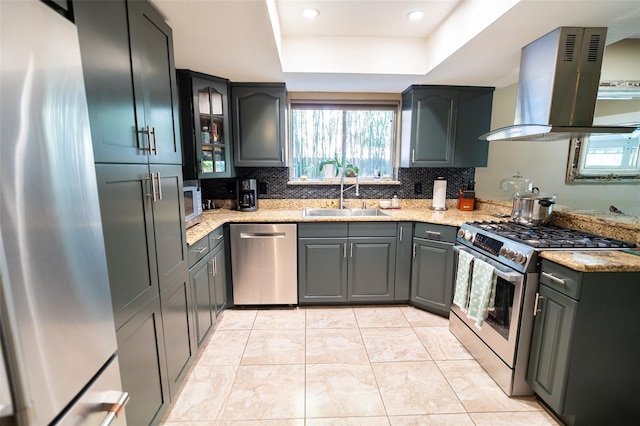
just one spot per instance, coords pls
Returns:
(595, 261)
(280, 211)
(212, 219)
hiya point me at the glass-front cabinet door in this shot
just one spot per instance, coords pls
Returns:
(206, 130)
(212, 129)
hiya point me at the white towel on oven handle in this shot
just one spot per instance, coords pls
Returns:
(483, 291)
(463, 280)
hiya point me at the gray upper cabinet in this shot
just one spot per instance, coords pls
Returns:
(204, 119)
(441, 126)
(154, 81)
(259, 124)
(131, 91)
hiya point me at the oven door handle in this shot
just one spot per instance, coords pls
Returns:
(507, 276)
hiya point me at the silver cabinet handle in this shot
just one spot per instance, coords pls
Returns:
(215, 266)
(554, 278)
(155, 141)
(153, 188)
(282, 153)
(344, 250)
(414, 249)
(202, 250)
(401, 228)
(219, 237)
(535, 305)
(413, 156)
(434, 233)
(147, 132)
(115, 409)
(351, 250)
(159, 186)
(212, 271)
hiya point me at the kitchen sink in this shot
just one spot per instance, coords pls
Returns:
(343, 212)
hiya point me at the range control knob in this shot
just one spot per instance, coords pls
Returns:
(461, 233)
(468, 236)
(508, 253)
(521, 258)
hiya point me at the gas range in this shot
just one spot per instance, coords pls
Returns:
(516, 245)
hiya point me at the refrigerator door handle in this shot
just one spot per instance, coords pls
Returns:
(115, 409)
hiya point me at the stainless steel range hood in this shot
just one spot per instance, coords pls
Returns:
(558, 87)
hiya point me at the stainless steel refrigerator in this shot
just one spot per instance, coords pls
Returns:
(57, 330)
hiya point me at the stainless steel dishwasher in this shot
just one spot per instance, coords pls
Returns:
(264, 264)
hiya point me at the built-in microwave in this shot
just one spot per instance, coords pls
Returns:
(192, 203)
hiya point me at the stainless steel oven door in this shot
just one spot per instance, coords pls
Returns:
(500, 329)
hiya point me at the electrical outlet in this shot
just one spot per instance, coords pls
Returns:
(417, 188)
(262, 188)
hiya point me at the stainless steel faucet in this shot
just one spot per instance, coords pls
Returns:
(343, 189)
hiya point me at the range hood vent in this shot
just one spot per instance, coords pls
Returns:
(558, 87)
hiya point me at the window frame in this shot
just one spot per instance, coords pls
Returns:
(347, 104)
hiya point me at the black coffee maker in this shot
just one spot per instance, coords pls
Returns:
(247, 195)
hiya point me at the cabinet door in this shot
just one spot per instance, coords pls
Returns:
(473, 120)
(259, 125)
(143, 365)
(102, 27)
(372, 267)
(219, 279)
(432, 275)
(548, 362)
(154, 82)
(402, 286)
(175, 301)
(322, 270)
(127, 221)
(433, 132)
(169, 226)
(202, 293)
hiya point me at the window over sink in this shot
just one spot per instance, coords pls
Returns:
(326, 136)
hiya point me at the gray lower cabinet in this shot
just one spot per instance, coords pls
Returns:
(403, 261)
(208, 279)
(180, 350)
(584, 351)
(432, 269)
(340, 262)
(143, 366)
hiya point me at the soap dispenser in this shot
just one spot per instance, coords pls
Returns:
(395, 203)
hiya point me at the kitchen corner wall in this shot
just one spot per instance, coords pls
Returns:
(546, 163)
(276, 179)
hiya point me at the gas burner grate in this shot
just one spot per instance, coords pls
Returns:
(550, 236)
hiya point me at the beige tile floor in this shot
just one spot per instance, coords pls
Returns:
(393, 365)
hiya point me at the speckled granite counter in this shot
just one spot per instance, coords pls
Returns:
(595, 261)
(418, 211)
(214, 218)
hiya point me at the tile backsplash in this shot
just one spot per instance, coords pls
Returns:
(276, 179)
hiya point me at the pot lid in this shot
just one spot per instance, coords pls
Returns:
(516, 183)
(533, 195)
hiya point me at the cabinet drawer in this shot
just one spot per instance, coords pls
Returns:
(368, 229)
(198, 250)
(322, 230)
(562, 279)
(431, 231)
(216, 237)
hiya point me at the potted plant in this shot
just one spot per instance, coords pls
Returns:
(350, 170)
(331, 167)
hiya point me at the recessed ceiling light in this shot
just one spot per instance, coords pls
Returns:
(416, 15)
(310, 13)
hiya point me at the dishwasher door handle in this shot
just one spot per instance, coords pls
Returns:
(263, 235)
